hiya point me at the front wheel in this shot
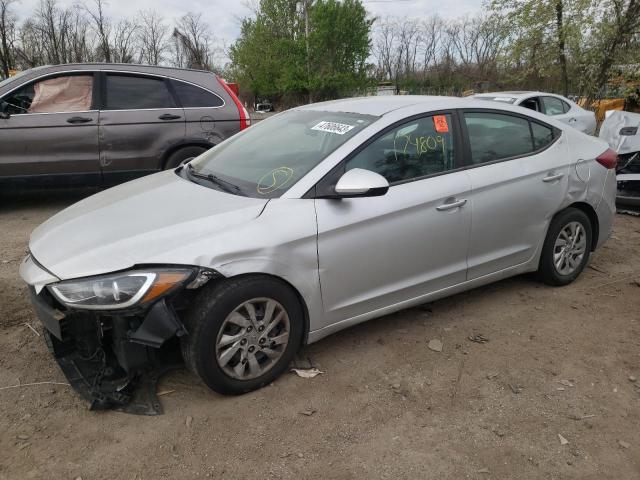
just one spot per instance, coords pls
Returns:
(566, 248)
(242, 333)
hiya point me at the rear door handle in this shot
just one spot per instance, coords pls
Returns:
(169, 116)
(79, 120)
(450, 206)
(553, 177)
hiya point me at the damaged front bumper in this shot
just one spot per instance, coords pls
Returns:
(113, 359)
(628, 178)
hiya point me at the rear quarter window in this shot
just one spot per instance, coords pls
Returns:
(192, 96)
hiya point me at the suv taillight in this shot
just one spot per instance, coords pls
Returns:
(245, 119)
(608, 159)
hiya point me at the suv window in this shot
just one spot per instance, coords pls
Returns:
(193, 96)
(61, 94)
(128, 92)
(412, 150)
(496, 136)
(553, 106)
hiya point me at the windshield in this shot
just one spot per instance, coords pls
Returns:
(19, 75)
(271, 156)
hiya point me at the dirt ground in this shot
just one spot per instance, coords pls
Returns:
(558, 362)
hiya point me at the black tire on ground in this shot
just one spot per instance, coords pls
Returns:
(547, 271)
(207, 315)
(182, 154)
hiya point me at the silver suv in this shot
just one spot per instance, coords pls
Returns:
(96, 124)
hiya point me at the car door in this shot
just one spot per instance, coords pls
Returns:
(140, 120)
(518, 169)
(50, 132)
(376, 252)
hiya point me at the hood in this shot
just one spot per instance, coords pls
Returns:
(132, 223)
(610, 131)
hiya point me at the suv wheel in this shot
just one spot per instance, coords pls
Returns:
(180, 156)
(242, 333)
(566, 248)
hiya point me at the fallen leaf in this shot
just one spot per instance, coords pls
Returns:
(435, 345)
(566, 383)
(479, 338)
(308, 412)
(563, 441)
(307, 372)
(515, 388)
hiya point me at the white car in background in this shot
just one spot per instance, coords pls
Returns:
(557, 106)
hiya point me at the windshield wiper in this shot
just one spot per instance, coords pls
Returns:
(224, 184)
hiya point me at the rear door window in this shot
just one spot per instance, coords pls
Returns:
(192, 96)
(128, 92)
(498, 136)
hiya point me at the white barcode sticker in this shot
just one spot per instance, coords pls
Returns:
(333, 127)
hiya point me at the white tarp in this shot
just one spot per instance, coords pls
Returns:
(63, 94)
(610, 131)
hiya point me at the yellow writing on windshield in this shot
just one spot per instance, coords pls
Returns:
(273, 180)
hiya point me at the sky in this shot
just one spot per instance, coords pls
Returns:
(224, 16)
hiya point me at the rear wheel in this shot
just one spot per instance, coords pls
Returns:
(566, 248)
(182, 155)
(243, 333)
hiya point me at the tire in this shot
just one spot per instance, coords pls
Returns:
(573, 264)
(179, 156)
(208, 322)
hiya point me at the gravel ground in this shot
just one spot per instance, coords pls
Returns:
(550, 395)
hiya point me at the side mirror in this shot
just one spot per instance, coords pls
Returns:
(4, 116)
(361, 183)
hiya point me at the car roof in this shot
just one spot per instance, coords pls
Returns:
(517, 94)
(384, 104)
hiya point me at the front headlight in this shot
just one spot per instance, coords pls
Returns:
(118, 290)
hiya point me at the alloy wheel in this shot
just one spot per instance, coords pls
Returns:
(252, 338)
(569, 248)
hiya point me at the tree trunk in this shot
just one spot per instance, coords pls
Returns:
(562, 56)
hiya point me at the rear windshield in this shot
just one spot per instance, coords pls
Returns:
(497, 98)
(269, 157)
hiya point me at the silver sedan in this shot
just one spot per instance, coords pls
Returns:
(309, 222)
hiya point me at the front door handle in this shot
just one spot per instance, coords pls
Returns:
(79, 120)
(169, 116)
(450, 206)
(553, 177)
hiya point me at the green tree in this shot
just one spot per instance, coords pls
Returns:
(303, 50)
(545, 36)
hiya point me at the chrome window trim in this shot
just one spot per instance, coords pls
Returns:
(92, 72)
(53, 113)
(128, 72)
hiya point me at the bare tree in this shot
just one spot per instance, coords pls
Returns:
(124, 42)
(7, 32)
(194, 35)
(101, 26)
(152, 37)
